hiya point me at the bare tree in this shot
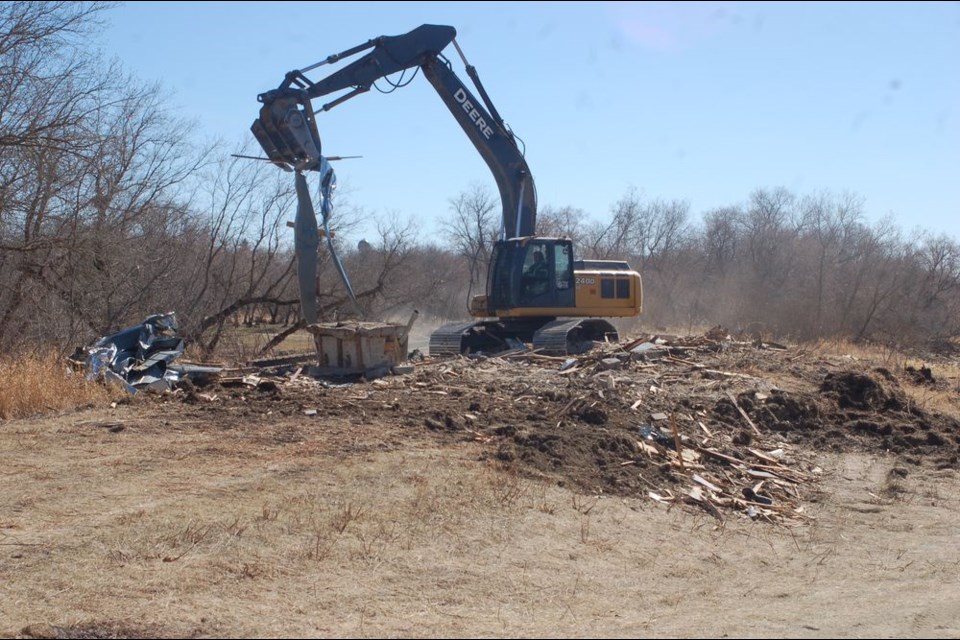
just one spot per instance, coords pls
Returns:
(720, 238)
(384, 279)
(939, 258)
(661, 229)
(49, 81)
(770, 223)
(935, 311)
(612, 240)
(245, 258)
(830, 223)
(473, 228)
(561, 222)
(91, 166)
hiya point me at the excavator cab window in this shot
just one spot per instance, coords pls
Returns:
(547, 273)
(562, 260)
(514, 269)
(535, 281)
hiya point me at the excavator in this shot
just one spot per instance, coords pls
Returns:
(536, 291)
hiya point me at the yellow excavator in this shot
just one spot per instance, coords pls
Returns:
(537, 292)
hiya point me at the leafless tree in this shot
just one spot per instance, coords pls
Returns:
(931, 315)
(242, 255)
(90, 165)
(720, 238)
(612, 240)
(473, 228)
(50, 82)
(561, 222)
(830, 223)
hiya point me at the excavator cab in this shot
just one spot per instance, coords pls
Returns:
(532, 284)
(530, 274)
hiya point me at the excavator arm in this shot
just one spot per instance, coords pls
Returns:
(287, 130)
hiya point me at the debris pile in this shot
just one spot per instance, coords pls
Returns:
(650, 417)
(140, 357)
(727, 426)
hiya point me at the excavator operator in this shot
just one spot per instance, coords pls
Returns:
(537, 276)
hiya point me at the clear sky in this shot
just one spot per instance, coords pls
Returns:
(698, 101)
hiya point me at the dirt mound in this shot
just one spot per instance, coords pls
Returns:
(866, 411)
(857, 390)
(586, 458)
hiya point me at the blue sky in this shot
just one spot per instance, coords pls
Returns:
(703, 102)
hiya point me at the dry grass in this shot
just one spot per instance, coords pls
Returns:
(945, 400)
(875, 354)
(32, 385)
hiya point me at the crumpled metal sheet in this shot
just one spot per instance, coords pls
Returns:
(138, 356)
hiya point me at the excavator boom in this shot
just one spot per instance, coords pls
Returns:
(287, 131)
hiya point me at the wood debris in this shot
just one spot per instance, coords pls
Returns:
(664, 417)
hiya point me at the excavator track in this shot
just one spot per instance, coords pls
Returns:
(461, 338)
(448, 340)
(563, 337)
(556, 337)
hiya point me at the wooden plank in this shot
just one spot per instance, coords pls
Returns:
(743, 413)
(648, 448)
(722, 456)
(757, 473)
(706, 483)
(729, 374)
(763, 456)
(704, 502)
(676, 439)
(570, 404)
